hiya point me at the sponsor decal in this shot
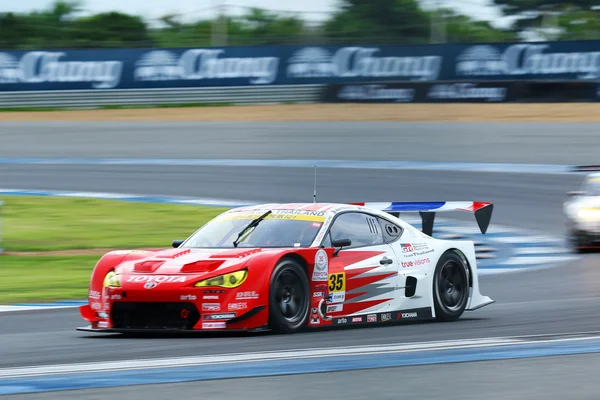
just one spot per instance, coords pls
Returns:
(95, 295)
(334, 308)
(205, 64)
(386, 317)
(103, 314)
(372, 318)
(336, 297)
(526, 59)
(341, 321)
(321, 266)
(358, 61)
(318, 294)
(237, 306)
(102, 324)
(407, 248)
(214, 291)
(407, 315)
(213, 325)
(51, 67)
(408, 264)
(246, 295)
(96, 306)
(314, 316)
(376, 92)
(156, 278)
(211, 307)
(210, 297)
(189, 297)
(212, 317)
(454, 91)
(115, 297)
(357, 319)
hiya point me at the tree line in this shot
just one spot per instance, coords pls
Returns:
(399, 22)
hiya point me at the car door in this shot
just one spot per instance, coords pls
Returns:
(363, 276)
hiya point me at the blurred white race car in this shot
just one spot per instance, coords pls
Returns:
(582, 210)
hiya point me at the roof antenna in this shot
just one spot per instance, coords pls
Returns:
(315, 191)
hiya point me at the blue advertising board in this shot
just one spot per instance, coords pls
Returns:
(289, 65)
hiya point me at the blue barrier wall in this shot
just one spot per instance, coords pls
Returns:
(285, 65)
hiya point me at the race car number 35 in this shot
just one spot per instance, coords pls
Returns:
(337, 282)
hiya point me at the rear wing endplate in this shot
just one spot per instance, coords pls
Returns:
(427, 210)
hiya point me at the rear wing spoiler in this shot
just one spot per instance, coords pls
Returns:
(427, 210)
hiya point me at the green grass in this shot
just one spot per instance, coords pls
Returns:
(42, 224)
(51, 223)
(44, 279)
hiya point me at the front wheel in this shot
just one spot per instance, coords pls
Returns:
(450, 287)
(288, 297)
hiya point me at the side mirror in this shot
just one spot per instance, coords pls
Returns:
(576, 193)
(177, 243)
(339, 244)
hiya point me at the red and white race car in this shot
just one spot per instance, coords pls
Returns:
(284, 267)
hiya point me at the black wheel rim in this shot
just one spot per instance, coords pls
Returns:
(452, 286)
(290, 297)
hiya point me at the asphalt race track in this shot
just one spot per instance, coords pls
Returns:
(554, 301)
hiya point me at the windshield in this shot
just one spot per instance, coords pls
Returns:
(279, 229)
(592, 186)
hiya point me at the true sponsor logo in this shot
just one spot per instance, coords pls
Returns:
(358, 61)
(527, 59)
(212, 317)
(357, 319)
(372, 318)
(386, 317)
(213, 325)
(51, 67)
(237, 306)
(422, 261)
(246, 295)
(376, 92)
(205, 64)
(156, 278)
(211, 307)
(188, 297)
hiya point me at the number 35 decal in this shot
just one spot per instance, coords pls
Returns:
(337, 282)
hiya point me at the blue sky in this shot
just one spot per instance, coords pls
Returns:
(314, 9)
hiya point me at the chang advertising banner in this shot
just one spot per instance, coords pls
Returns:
(291, 65)
(213, 67)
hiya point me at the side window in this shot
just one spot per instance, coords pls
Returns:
(391, 232)
(362, 229)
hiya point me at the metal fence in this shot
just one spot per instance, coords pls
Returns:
(141, 97)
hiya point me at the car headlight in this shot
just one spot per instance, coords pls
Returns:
(231, 280)
(589, 213)
(111, 280)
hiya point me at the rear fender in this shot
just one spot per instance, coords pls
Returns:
(466, 250)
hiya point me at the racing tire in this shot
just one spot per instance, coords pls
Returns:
(450, 287)
(289, 297)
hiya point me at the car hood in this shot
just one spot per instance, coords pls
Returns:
(187, 261)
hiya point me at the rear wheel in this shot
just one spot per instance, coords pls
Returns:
(288, 297)
(450, 287)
